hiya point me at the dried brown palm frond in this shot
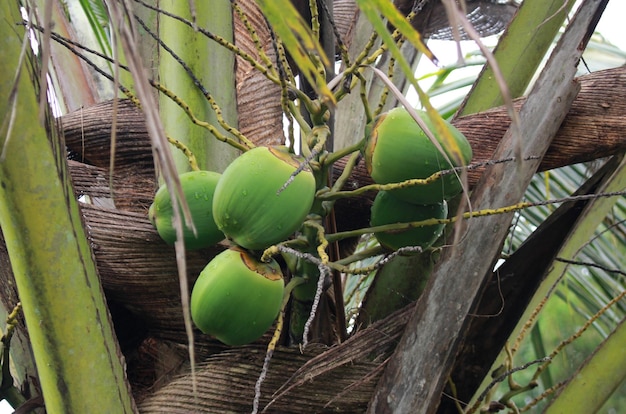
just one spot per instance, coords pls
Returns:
(488, 17)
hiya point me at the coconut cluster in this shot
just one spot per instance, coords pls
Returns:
(397, 149)
(264, 196)
(258, 201)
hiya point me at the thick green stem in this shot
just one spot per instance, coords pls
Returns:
(519, 52)
(595, 381)
(77, 355)
(216, 73)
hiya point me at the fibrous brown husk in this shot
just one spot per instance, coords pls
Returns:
(320, 379)
(137, 268)
(87, 134)
(258, 99)
(488, 17)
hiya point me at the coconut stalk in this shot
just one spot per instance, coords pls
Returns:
(79, 363)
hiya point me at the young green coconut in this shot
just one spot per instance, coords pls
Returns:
(397, 149)
(388, 209)
(252, 205)
(236, 297)
(198, 187)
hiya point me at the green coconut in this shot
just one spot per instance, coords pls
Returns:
(253, 207)
(397, 149)
(236, 297)
(387, 209)
(198, 188)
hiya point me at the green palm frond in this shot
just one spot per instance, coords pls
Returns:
(98, 18)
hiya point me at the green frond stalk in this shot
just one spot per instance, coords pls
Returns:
(78, 359)
(212, 65)
(594, 215)
(590, 387)
(519, 52)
